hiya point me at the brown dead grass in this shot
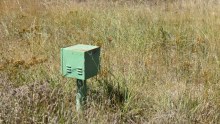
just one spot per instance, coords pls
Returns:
(160, 61)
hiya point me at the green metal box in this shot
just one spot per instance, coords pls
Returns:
(80, 61)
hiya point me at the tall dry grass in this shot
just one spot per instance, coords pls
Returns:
(160, 61)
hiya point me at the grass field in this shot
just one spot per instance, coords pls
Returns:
(160, 61)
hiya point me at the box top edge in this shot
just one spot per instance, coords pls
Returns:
(82, 47)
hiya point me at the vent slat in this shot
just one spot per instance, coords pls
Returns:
(69, 69)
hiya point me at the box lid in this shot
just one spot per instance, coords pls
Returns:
(82, 47)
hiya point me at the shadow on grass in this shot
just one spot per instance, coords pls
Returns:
(109, 93)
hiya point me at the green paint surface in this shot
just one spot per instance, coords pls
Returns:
(80, 61)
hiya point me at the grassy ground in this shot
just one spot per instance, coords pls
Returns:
(160, 61)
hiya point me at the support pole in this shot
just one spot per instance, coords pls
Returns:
(81, 94)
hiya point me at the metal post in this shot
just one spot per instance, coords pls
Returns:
(81, 94)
